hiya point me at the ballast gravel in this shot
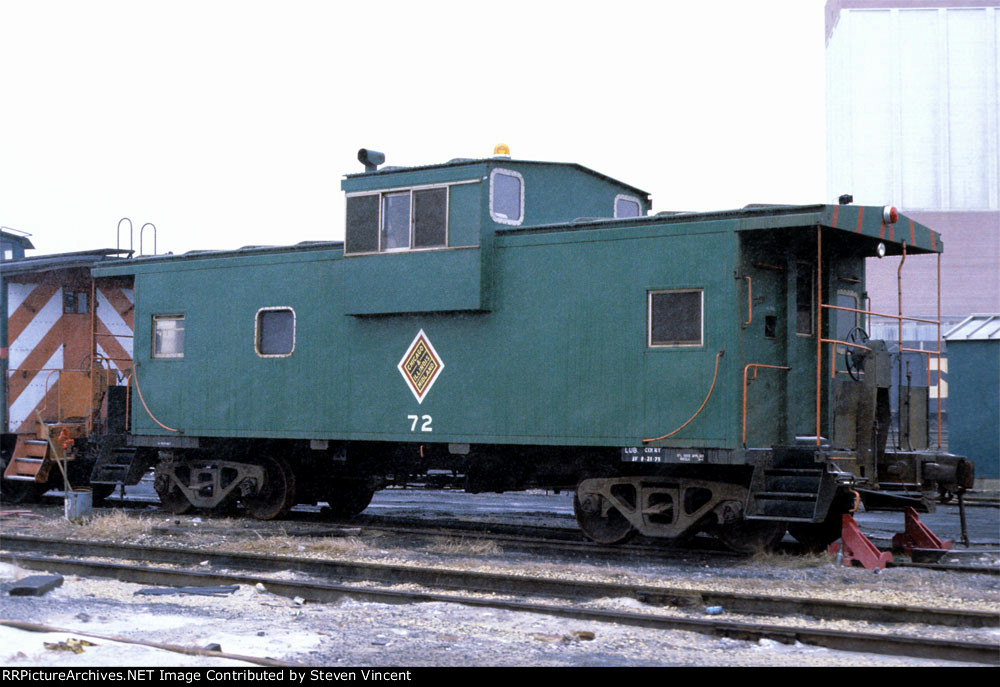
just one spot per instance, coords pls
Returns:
(252, 622)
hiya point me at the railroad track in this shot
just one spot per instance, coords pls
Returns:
(563, 598)
(567, 541)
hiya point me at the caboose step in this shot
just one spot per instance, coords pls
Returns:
(785, 518)
(35, 447)
(789, 487)
(20, 478)
(789, 495)
(115, 465)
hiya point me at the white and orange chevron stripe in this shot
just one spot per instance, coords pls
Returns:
(43, 341)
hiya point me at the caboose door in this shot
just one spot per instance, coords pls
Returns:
(764, 325)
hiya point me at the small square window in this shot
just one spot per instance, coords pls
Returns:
(75, 302)
(675, 318)
(168, 336)
(506, 196)
(275, 332)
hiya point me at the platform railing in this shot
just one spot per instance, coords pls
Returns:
(899, 317)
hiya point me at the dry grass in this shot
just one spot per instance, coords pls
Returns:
(460, 545)
(114, 525)
(784, 561)
(285, 545)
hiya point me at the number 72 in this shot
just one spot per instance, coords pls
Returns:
(425, 427)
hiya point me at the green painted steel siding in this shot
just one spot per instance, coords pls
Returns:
(221, 386)
(974, 409)
(561, 359)
(414, 281)
(554, 193)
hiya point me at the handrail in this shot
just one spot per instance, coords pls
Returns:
(703, 403)
(749, 301)
(118, 245)
(899, 317)
(135, 377)
(745, 380)
(878, 314)
(141, 231)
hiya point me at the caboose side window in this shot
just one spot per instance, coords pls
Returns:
(805, 291)
(506, 196)
(168, 336)
(397, 220)
(627, 206)
(362, 224)
(430, 218)
(275, 332)
(675, 318)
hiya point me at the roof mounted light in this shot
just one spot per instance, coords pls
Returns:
(890, 215)
(501, 150)
(880, 249)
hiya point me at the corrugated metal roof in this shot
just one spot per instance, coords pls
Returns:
(980, 327)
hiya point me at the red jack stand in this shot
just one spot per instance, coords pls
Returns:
(917, 535)
(857, 548)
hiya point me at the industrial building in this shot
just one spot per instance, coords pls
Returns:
(912, 121)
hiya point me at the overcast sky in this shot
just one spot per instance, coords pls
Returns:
(232, 123)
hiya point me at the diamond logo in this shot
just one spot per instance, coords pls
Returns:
(420, 366)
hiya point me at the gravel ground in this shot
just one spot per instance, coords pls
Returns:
(352, 633)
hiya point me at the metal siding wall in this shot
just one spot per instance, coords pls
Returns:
(922, 146)
(872, 136)
(912, 108)
(967, 110)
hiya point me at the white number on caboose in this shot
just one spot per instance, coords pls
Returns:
(425, 425)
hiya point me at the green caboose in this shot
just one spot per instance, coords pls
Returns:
(525, 324)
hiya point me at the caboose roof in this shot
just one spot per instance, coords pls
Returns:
(388, 171)
(861, 220)
(61, 261)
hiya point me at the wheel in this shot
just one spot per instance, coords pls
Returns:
(751, 536)
(172, 498)
(277, 496)
(613, 529)
(348, 497)
(854, 358)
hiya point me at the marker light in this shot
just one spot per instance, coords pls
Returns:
(880, 249)
(501, 150)
(890, 215)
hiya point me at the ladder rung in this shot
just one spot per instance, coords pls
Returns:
(22, 459)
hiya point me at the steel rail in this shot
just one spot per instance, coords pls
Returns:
(866, 642)
(500, 583)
